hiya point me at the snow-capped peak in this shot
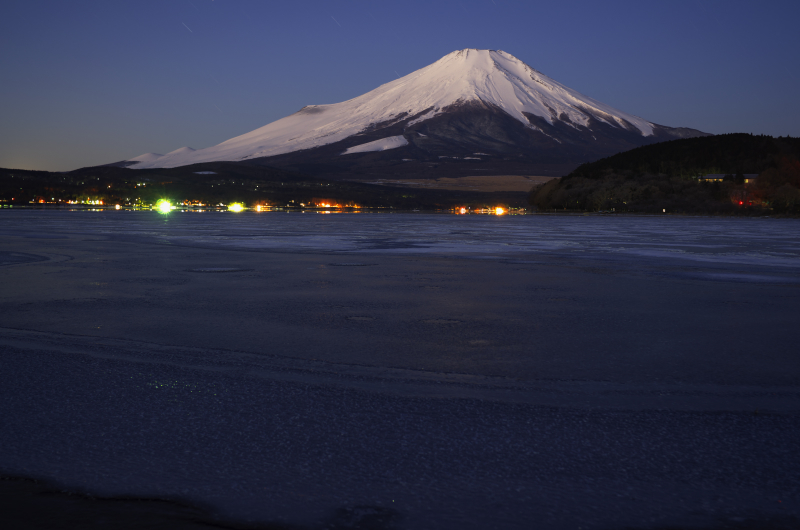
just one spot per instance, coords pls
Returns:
(147, 157)
(493, 77)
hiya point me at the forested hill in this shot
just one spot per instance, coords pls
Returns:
(690, 157)
(665, 177)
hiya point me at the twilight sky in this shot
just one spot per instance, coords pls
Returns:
(89, 82)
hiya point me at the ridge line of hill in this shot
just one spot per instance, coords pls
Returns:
(669, 177)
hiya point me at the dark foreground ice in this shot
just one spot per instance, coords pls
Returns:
(406, 371)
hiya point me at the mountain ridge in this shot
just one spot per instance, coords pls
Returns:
(468, 101)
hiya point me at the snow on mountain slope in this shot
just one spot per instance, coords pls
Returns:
(146, 158)
(378, 145)
(493, 77)
(172, 159)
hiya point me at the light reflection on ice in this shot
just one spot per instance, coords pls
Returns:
(765, 242)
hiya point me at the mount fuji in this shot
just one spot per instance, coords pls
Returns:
(472, 112)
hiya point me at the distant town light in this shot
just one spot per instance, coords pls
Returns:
(236, 207)
(499, 211)
(164, 206)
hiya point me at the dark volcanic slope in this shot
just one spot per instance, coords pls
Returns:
(474, 138)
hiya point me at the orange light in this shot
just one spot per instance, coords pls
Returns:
(258, 208)
(462, 210)
(499, 211)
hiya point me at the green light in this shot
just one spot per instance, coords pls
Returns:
(164, 206)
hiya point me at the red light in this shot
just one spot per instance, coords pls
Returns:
(740, 203)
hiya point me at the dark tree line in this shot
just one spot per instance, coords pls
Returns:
(226, 182)
(665, 176)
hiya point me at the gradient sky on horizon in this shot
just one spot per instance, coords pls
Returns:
(90, 82)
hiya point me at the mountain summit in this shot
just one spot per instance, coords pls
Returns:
(471, 106)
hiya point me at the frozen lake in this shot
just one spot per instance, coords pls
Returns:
(407, 370)
(760, 242)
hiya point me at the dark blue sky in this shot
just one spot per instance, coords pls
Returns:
(87, 82)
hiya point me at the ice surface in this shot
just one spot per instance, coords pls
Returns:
(695, 241)
(465, 372)
(491, 76)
